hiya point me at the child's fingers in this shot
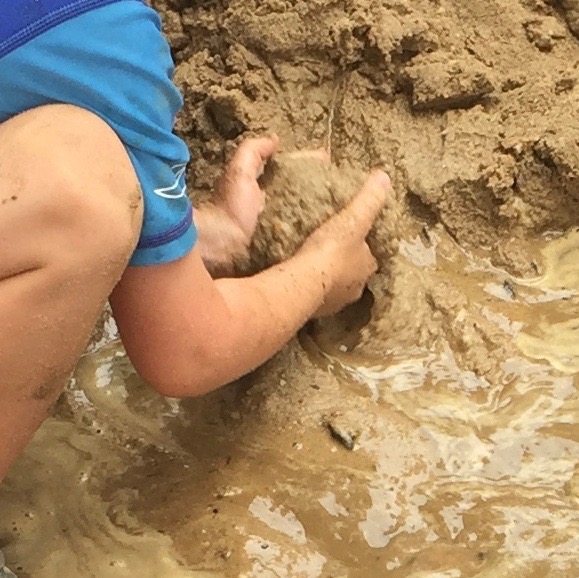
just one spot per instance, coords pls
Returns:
(252, 154)
(363, 209)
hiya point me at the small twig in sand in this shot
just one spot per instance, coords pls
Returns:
(337, 99)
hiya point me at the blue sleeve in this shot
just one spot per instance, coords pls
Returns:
(168, 231)
(114, 61)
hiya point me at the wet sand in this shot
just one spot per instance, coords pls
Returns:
(324, 463)
(430, 431)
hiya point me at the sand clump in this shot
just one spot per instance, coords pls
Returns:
(301, 194)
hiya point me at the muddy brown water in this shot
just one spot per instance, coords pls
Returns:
(325, 463)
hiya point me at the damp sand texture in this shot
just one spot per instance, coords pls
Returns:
(429, 431)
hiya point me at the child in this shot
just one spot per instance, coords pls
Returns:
(93, 207)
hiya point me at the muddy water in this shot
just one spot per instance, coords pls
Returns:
(326, 463)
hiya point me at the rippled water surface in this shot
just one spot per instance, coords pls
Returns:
(325, 463)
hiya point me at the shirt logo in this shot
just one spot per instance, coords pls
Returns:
(178, 188)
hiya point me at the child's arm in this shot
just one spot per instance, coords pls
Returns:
(188, 334)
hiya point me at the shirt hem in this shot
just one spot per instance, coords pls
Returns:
(167, 253)
(152, 241)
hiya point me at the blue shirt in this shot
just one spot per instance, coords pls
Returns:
(109, 57)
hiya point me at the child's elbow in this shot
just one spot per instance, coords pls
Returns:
(181, 372)
(180, 382)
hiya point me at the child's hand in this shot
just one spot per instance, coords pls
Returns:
(227, 224)
(238, 192)
(339, 246)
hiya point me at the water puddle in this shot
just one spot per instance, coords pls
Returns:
(325, 463)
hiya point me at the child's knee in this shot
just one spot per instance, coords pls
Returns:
(74, 185)
(95, 224)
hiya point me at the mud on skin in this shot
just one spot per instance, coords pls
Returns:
(430, 429)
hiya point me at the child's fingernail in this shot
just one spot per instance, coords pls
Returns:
(383, 178)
